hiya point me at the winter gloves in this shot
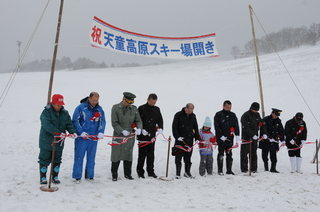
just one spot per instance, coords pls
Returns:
(125, 132)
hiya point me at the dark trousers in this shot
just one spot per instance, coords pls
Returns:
(126, 168)
(273, 155)
(146, 152)
(221, 151)
(294, 153)
(187, 161)
(245, 152)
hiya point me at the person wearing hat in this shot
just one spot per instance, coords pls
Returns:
(55, 120)
(227, 127)
(275, 134)
(205, 144)
(90, 123)
(185, 130)
(296, 136)
(251, 126)
(152, 122)
(125, 118)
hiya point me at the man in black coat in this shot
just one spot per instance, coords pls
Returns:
(296, 135)
(251, 125)
(226, 127)
(275, 133)
(185, 130)
(152, 122)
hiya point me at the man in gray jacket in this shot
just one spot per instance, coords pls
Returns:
(125, 119)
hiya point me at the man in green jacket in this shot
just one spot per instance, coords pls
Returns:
(123, 116)
(55, 120)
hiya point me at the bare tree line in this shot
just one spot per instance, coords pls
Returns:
(284, 39)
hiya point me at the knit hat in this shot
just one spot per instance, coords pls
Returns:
(207, 122)
(299, 116)
(255, 106)
(57, 99)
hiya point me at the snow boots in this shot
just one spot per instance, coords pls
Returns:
(56, 169)
(220, 165)
(43, 174)
(298, 164)
(293, 164)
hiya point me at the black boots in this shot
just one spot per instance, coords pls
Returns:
(178, 170)
(114, 170)
(220, 165)
(266, 166)
(229, 166)
(127, 169)
(43, 174)
(55, 173)
(273, 167)
(187, 173)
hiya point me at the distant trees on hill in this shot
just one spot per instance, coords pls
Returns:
(284, 39)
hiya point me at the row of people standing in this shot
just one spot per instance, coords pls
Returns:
(89, 123)
(264, 133)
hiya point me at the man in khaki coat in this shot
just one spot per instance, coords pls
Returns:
(123, 116)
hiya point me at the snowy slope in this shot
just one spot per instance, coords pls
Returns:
(206, 83)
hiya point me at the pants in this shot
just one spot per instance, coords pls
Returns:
(146, 152)
(126, 168)
(82, 147)
(295, 153)
(206, 164)
(244, 152)
(187, 160)
(45, 157)
(273, 155)
(221, 151)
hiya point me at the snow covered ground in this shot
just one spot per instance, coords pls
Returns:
(206, 83)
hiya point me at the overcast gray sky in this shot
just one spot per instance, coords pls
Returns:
(230, 19)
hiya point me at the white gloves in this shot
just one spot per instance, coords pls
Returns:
(84, 135)
(180, 139)
(100, 135)
(283, 142)
(144, 132)
(138, 131)
(292, 142)
(160, 131)
(303, 142)
(197, 141)
(125, 133)
(63, 135)
(74, 135)
(264, 136)
(223, 138)
(255, 137)
(238, 139)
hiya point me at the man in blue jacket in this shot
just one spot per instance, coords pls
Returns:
(89, 122)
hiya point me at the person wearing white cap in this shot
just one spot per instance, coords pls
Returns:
(206, 141)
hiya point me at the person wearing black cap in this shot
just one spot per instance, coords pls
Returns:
(296, 135)
(251, 125)
(185, 131)
(152, 122)
(125, 118)
(275, 133)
